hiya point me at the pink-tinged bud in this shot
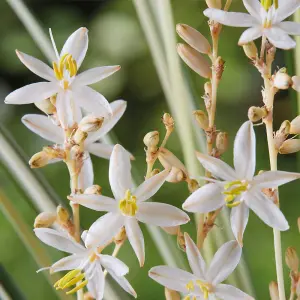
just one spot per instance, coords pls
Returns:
(296, 83)
(44, 220)
(202, 119)
(90, 123)
(282, 80)
(194, 38)
(250, 50)
(171, 295)
(171, 230)
(214, 4)
(295, 126)
(291, 259)
(194, 60)
(273, 289)
(93, 190)
(290, 146)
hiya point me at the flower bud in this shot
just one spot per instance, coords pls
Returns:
(250, 50)
(290, 146)
(181, 241)
(194, 60)
(90, 123)
(169, 160)
(298, 288)
(121, 236)
(168, 121)
(255, 113)
(93, 190)
(171, 230)
(271, 51)
(155, 172)
(171, 295)
(291, 259)
(151, 139)
(285, 127)
(295, 126)
(222, 142)
(194, 38)
(273, 289)
(201, 119)
(79, 136)
(39, 160)
(62, 214)
(214, 4)
(176, 175)
(54, 152)
(219, 67)
(296, 83)
(282, 80)
(208, 88)
(44, 220)
(193, 185)
(46, 106)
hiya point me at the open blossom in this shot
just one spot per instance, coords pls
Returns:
(263, 20)
(85, 265)
(128, 206)
(239, 189)
(204, 282)
(44, 127)
(70, 88)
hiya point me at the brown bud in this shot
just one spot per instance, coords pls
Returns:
(208, 88)
(155, 172)
(171, 295)
(201, 119)
(222, 142)
(285, 127)
(255, 114)
(54, 152)
(290, 146)
(194, 60)
(39, 160)
(171, 230)
(291, 259)
(176, 175)
(90, 123)
(273, 289)
(121, 236)
(151, 139)
(169, 160)
(295, 126)
(93, 190)
(194, 38)
(62, 214)
(44, 219)
(282, 80)
(193, 185)
(168, 121)
(214, 4)
(250, 50)
(46, 106)
(296, 83)
(79, 136)
(181, 241)
(219, 67)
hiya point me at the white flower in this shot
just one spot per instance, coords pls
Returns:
(44, 127)
(263, 21)
(71, 90)
(128, 206)
(240, 189)
(85, 265)
(203, 282)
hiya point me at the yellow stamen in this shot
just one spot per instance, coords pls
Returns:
(232, 183)
(190, 286)
(267, 4)
(234, 204)
(74, 281)
(128, 205)
(78, 287)
(276, 4)
(205, 287)
(238, 188)
(66, 84)
(69, 276)
(57, 72)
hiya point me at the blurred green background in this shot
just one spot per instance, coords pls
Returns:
(116, 37)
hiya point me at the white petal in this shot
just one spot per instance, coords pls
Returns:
(239, 218)
(279, 38)
(65, 107)
(86, 175)
(172, 278)
(250, 35)
(273, 179)
(104, 229)
(32, 93)
(230, 18)
(286, 8)
(195, 258)
(118, 108)
(44, 127)
(206, 199)
(36, 66)
(296, 83)
(161, 214)
(224, 262)
(58, 240)
(266, 210)
(136, 238)
(120, 172)
(114, 264)
(150, 186)
(124, 284)
(100, 149)
(96, 202)
(92, 101)
(77, 45)
(254, 8)
(94, 75)
(229, 292)
(217, 167)
(68, 263)
(291, 28)
(96, 283)
(244, 151)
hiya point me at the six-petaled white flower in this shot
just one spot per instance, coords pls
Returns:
(71, 90)
(239, 188)
(44, 127)
(128, 206)
(85, 265)
(263, 21)
(204, 282)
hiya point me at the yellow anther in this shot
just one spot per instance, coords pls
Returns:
(66, 84)
(78, 287)
(74, 281)
(69, 276)
(57, 73)
(205, 287)
(276, 4)
(232, 183)
(229, 198)
(128, 205)
(190, 286)
(267, 4)
(234, 204)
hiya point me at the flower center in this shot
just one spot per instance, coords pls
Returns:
(128, 205)
(204, 287)
(232, 190)
(66, 66)
(73, 278)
